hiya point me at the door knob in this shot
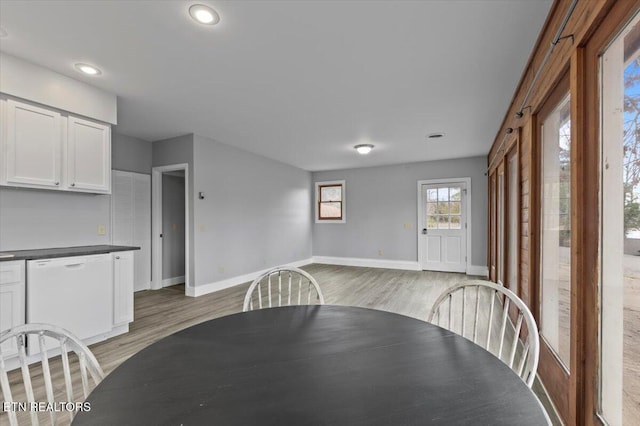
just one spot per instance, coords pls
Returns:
(424, 231)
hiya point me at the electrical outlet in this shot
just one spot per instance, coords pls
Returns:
(379, 252)
(408, 225)
(175, 226)
(202, 228)
(221, 270)
(102, 230)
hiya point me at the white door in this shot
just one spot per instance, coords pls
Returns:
(131, 220)
(443, 237)
(33, 145)
(88, 155)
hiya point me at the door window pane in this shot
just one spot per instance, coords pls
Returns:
(455, 194)
(455, 222)
(556, 231)
(454, 207)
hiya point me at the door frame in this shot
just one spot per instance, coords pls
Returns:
(156, 224)
(466, 206)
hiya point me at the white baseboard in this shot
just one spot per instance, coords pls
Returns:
(234, 281)
(172, 281)
(406, 265)
(481, 271)
(368, 263)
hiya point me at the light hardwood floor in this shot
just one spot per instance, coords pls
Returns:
(163, 312)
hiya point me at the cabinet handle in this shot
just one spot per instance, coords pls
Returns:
(117, 257)
(73, 184)
(57, 183)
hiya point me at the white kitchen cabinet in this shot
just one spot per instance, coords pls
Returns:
(122, 287)
(33, 142)
(45, 148)
(88, 155)
(12, 300)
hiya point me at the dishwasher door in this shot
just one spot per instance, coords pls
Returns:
(75, 293)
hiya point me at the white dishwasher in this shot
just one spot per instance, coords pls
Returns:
(75, 293)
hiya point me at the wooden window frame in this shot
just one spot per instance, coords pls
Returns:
(318, 203)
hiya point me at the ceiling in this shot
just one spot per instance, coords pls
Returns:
(301, 82)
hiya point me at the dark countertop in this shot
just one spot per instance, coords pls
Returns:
(61, 252)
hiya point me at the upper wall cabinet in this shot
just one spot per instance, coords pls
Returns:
(33, 145)
(43, 148)
(88, 155)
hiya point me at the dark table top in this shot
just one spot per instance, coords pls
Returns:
(50, 253)
(308, 365)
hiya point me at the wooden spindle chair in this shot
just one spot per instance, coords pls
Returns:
(281, 287)
(58, 385)
(515, 345)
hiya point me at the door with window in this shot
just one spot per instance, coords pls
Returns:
(443, 219)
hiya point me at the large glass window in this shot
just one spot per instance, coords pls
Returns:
(513, 216)
(620, 281)
(555, 272)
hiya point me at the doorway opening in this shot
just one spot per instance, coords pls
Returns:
(170, 226)
(444, 239)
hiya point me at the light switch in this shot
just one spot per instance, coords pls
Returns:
(102, 230)
(408, 225)
(175, 226)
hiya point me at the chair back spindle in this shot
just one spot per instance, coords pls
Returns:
(25, 391)
(284, 291)
(514, 329)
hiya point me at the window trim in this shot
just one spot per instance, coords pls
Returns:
(318, 185)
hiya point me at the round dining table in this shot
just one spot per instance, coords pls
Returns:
(313, 365)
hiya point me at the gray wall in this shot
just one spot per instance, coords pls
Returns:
(179, 150)
(256, 212)
(32, 218)
(380, 200)
(130, 154)
(173, 225)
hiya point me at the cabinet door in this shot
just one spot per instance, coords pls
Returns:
(88, 156)
(33, 145)
(12, 303)
(122, 287)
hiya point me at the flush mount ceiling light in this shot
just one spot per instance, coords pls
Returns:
(435, 135)
(88, 69)
(204, 14)
(364, 148)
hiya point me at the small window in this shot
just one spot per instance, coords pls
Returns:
(330, 202)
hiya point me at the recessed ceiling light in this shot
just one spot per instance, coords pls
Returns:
(88, 69)
(435, 135)
(204, 14)
(364, 148)
(3, 33)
